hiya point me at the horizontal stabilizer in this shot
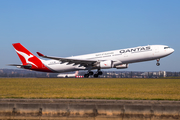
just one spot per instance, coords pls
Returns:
(28, 66)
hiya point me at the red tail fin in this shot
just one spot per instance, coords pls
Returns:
(76, 73)
(27, 57)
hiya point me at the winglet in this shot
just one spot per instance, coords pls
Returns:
(40, 54)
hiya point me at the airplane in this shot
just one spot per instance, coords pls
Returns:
(119, 59)
(75, 75)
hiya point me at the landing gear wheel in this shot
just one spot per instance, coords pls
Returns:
(158, 64)
(95, 75)
(90, 73)
(100, 73)
(86, 75)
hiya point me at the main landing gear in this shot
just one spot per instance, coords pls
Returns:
(99, 72)
(87, 74)
(158, 64)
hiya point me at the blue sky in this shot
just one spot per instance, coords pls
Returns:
(73, 27)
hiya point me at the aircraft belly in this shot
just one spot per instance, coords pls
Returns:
(62, 67)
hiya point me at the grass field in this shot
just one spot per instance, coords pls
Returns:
(101, 88)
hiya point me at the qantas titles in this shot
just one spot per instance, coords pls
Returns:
(139, 49)
(132, 50)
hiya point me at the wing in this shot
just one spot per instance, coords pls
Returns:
(81, 62)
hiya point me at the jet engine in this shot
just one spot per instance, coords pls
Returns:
(105, 64)
(122, 66)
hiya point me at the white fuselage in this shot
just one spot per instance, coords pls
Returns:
(118, 57)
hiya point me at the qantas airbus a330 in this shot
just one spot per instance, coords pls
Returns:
(111, 59)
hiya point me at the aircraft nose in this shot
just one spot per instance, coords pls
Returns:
(172, 50)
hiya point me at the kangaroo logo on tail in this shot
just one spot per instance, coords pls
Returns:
(26, 57)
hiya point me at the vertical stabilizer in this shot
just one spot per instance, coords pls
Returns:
(27, 58)
(76, 73)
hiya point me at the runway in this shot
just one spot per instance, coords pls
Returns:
(89, 109)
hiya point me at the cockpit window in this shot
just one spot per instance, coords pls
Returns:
(166, 47)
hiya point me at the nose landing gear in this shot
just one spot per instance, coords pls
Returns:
(158, 64)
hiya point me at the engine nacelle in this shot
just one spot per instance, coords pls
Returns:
(122, 66)
(106, 64)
